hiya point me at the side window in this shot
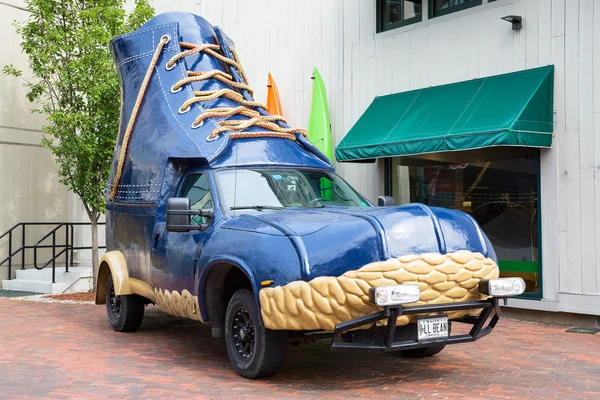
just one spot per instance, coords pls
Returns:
(196, 188)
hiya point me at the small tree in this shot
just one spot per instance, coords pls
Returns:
(76, 86)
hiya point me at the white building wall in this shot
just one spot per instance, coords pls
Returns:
(29, 188)
(29, 184)
(288, 37)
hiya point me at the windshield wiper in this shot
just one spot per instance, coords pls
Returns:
(258, 208)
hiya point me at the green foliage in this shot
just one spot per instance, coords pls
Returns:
(75, 85)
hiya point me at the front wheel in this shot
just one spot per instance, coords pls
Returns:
(125, 313)
(254, 350)
(428, 351)
(423, 352)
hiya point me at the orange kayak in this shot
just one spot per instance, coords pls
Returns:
(273, 102)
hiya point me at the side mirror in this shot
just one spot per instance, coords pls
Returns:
(385, 201)
(177, 218)
(179, 213)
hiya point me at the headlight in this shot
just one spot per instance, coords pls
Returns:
(502, 287)
(394, 295)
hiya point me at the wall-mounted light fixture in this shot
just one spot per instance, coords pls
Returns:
(515, 20)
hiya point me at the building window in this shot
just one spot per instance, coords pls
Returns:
(395, 13)
(499, 188)
(443, 7)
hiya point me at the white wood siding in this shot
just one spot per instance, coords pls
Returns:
(289, 37)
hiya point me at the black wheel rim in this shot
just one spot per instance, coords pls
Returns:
(243, 334)
(115, 302)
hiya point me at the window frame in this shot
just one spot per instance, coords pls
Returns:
(452, 9)
(381, 27)
(426, 17)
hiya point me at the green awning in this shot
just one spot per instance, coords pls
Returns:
(513, 109)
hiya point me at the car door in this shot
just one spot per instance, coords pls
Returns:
(177, 253)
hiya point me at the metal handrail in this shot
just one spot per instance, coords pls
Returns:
(54, 255)
(11, 229)
(65, 248)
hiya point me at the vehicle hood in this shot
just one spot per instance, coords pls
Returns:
(291, 221)
(333, 240)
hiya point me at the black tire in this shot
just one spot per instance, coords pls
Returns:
(423, 352)
(254, 351)
(428, 351)
(125, 313)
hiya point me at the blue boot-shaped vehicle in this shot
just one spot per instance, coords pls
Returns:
(220, 212)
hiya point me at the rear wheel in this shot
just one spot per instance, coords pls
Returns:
(125, 313)
(254, 351)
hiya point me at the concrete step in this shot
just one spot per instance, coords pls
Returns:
(34, 286)
(46, 273)
(78, 279)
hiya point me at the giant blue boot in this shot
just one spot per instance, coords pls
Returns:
(215, 213)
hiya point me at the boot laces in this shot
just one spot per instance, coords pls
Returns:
(246, 108)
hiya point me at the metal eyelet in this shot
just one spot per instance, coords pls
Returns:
(174, 90)
(211, 139)
(182, 111)
(167, 67)
(165, 38)
(195, 125)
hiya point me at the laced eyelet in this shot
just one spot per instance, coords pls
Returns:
(183, 111)
(195, 125)
(167, 67)
(176, 90)
(210, 138)
(165, 38)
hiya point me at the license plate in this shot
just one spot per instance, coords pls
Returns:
(432, 328)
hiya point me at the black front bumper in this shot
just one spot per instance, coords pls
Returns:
(392, 338)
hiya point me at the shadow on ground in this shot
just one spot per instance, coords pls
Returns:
(313, 364)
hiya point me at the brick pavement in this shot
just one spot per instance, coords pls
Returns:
(70, 351)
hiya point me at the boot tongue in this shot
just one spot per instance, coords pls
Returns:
(196, 30)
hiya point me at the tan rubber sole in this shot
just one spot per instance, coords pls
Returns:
(325, 301)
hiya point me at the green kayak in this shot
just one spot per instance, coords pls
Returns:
(319, 128)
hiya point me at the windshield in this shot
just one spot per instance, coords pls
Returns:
(257, 189)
